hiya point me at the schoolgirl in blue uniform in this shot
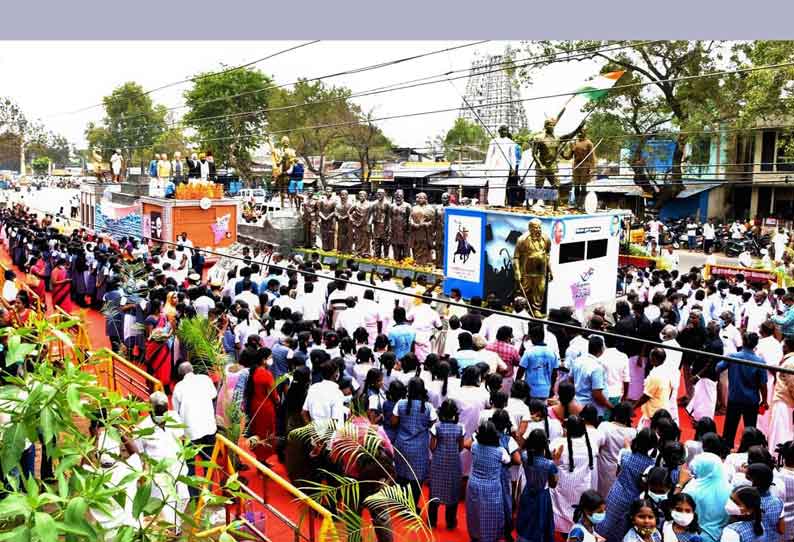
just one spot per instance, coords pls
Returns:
(535, 521)
(760, 475)
(446, 442)
(588, 514)
(745, 523)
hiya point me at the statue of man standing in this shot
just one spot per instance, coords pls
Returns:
(379, 213)
(344, 239)
(583, 155)
(530, 266)
(545, 150)
(421, 222)
(328, 219)
(501, 163)
(359, 222)
(399, 211)
(309, 210)
(438, 231)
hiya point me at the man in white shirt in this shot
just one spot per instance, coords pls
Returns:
(616, 368)
(161, 436)
(252, 300)
(192, 400)
(655, 229)
(325, 402)
(771, 351)
(672, 366)
(425, 321)
(203, 303)
(756, 312)
(708, 235)
(370, 312)
(779, 241)
(10, 289)
(351, 318)
(310, 304)
(737, 230)
(670, 258)
(495, 363)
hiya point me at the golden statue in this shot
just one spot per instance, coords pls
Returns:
(96, 163)
(531, 266)
(283, 158)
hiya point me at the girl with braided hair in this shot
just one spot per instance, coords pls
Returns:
(576, 460)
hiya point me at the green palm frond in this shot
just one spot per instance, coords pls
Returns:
(398, 502)
(352, 525)
(342, 489)
(204, 343)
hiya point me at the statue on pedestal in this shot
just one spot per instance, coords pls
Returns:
(96, 163)
(438, 232)
(328, 219)
(116, 163)
(359, 221)
(501, 163)
(379, 213)
(283, 158)
(421, 221)
(309, 211)
(178, 168)
(399, 211)
(344, 239)
(531, 266)
(582, 152)
(545, 151)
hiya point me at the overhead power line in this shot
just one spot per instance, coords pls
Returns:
(572, 327)
(490, 104)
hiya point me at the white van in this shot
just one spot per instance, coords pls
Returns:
(258, 194)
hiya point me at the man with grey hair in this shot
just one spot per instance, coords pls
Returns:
(160, 441)
(192, 400)
(672, 365)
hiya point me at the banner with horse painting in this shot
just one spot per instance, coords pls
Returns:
(463, 234)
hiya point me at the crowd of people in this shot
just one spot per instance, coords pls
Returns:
(566, 428)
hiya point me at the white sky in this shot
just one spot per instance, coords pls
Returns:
(50, 78)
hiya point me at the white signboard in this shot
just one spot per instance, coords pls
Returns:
(464, 239)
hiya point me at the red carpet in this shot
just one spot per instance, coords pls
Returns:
(282, 501)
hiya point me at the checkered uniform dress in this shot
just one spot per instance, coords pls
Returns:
(484, 506)
(745, 531)
(445, 471)
(625, 490)
(413, 441)
(788, 503)
(507, 494)
(535, 520)
(772, 508)
(686, 536)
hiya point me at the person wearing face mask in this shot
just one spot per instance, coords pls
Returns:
(659, 485)
(786, 320)
(710, 490)
(745, 517)
(162, 434)
(682, 522)
(644, 515)
(589, 513)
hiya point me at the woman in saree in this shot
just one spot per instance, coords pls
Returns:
(36, 278)
(158, 356)
(61, 286)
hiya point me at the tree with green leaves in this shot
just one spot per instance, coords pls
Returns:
(14, 122)
(663, 99)
(362, 140)
(465, 140)
(40, 165)
(132, 122)
(227, 110)
(314, 116)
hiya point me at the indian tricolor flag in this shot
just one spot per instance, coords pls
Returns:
(573, 112)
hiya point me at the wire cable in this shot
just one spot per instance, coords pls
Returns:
(531, 319)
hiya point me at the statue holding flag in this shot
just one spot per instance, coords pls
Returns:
(583, 153)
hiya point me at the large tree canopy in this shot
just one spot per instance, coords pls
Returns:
(227, 110)
(132, 122)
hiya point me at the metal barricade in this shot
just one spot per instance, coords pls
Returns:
(304, 529)
(117, 374)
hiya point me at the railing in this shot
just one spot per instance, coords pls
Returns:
(37, 304)
(117, 374)
(223, 450)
